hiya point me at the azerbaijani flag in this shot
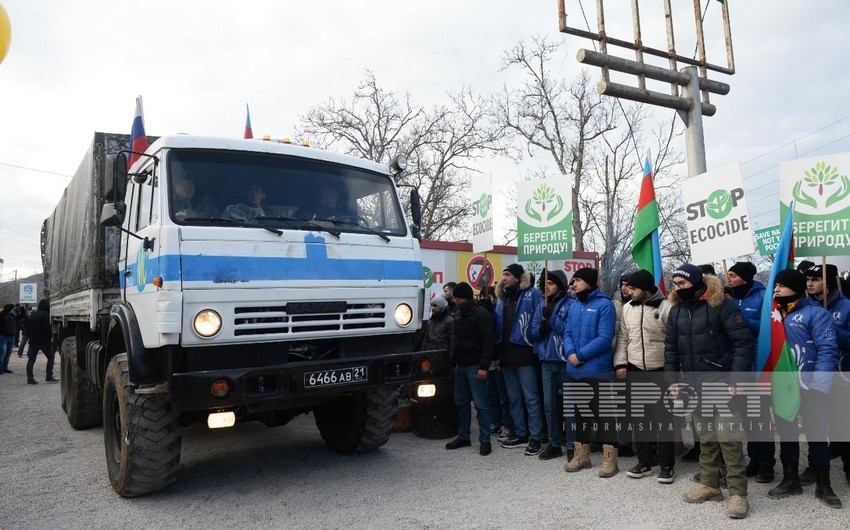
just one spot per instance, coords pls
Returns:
(249, 133)
(646, 249)
(138, 140)
(773, 356)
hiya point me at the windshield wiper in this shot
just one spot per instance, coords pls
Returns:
(358, 225)
(235, 222)
(331, 231)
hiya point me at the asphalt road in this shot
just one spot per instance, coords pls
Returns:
(252, 476)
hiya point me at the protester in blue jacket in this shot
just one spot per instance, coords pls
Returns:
(552, 359)
(747, 292)
(588, 336)
(839, 307)
(810, 334)
(518, 314)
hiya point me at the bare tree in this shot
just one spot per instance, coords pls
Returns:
(440, 144)
(559, 118)
(601, 143)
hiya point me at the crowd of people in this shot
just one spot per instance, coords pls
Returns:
(21, 327)
(521, 350)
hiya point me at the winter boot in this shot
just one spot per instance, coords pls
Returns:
(790, 484)
(808, 476)
(701, 493)
(737, 507)
(580, 460)
(823, 490)
(609, 461)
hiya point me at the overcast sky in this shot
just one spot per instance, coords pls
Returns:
(76, 67)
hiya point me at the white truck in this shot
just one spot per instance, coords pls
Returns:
(180, 300)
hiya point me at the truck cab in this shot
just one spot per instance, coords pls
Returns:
(257, 280)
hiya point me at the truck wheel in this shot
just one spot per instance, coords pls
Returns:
(82, 407)
(140, 433)
(358, 423)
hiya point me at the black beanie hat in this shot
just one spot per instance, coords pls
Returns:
(744, 269)
(515, 269)
(558, 278)
(642, 279)
(588, 274)
(792, 279)
(690, 272)
(463, 290)
(805, 265)
(831, 274)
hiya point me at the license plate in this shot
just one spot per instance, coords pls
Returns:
(339, 376)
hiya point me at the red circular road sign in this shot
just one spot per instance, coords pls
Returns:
(480, 272)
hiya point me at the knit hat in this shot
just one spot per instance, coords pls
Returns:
(515, 269)
(642, 279)
(708, 268)
(690, 272)
(831, 274)
(588, 274)
(805, 265)
(744, 269)
(792, 279)
(439, 301)
(463, 290)
(558, 278)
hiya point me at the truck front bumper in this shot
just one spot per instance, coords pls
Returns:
(303, 384)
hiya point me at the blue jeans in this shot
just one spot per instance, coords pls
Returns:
(554, 375)
(521, 382)
(469, 388)
(500, 410)
(7, 344)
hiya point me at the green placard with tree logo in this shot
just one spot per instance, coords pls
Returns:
(544, 220)
(820, 190)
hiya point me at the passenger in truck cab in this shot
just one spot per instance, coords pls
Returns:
(329, 205)
(253, 207)
(185, 202)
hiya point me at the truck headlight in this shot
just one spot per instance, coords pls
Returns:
(207, 323)
(403, 315)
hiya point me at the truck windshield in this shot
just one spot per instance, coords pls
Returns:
(279, 191)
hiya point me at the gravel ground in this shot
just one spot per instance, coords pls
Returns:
(253, 476)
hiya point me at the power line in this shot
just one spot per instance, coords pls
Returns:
(33, 169)
(792, 142)
(18, 232)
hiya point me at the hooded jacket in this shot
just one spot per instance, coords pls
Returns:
(838, 306)
(707, 334)
(550, 347)
(810, 332)
(588, 333)
(750, 306)
(643, 328)
(40, 331)
(473, 336)
(439, 333)
(7, 321)
(525, 326)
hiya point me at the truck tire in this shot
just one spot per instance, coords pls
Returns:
(82, 407)
(141, 435)
(358, 423)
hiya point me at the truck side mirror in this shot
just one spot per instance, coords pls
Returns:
(115, 178)
(415, 207)
(113, 214)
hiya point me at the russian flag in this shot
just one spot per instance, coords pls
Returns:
(138, 140)
(249, 133)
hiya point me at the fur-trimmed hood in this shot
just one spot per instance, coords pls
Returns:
(524, 283)
(713, 293)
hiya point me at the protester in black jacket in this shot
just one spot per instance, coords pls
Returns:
(474, 339)
(41, 338)
(7, 337)
(707, 337)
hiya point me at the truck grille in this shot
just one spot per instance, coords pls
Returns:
(276, 320)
